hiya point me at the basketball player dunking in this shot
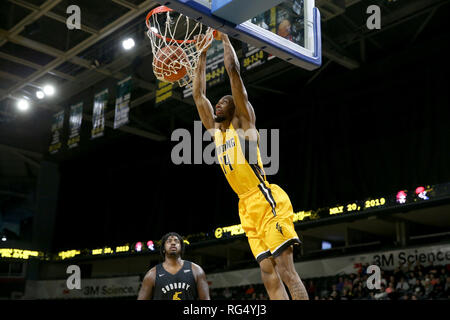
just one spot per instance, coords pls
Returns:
(265, 210)
(174, 279)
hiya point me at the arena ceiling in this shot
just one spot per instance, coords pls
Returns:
(37, 48)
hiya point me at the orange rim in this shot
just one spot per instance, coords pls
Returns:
(162, 9)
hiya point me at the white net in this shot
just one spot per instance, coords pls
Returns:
(175, 49)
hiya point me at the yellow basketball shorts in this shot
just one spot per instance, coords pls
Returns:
(267, 218)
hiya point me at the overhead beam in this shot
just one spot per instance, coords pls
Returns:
(43, 9)
(125, 4)
(28, 153)
(34, 65)
(142, 8)
(423, 25)
(50, 14)
(398, 17)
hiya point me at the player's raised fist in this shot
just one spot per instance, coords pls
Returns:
(202, 42)
(217, 35)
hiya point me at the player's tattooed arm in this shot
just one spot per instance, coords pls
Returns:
(202, 284)
(146, 291)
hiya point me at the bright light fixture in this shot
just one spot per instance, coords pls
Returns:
(49, 90)
(128, 44)
(40, 94)
(23, 105)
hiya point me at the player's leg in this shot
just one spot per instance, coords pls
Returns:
(272, 281)
(280, 236)
(285, 266)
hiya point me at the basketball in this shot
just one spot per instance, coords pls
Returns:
(169, 63)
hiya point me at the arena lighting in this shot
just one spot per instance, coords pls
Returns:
(4, 238)
(138, 247)
(40, 94)
(401, 196)
(151, 245)
(23, 105)
(422, 193)
(326, 245)
(49, 90)
(128, 44)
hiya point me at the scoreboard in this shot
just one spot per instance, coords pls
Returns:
(400, 200)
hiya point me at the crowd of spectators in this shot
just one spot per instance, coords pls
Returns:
(403, 283)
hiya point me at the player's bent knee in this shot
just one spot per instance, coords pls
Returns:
(267, 267)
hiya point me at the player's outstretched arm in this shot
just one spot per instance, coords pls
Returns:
(202, 284)
(244, 110)
(148, 284)
(204, 107)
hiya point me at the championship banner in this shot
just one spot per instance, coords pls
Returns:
(163, 91)
(215, 67)
(122, 102)
(57, 125)
(98, 114)
(90, 288)
(76, 116)
(386, 260)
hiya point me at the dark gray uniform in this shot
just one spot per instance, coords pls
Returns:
(180, 286)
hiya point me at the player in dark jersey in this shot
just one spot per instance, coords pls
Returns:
(174, 279)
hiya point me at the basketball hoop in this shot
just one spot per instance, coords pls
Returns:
(175, 60)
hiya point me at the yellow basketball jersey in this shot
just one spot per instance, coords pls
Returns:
(240, 160)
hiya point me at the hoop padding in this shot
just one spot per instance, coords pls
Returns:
(171, 56)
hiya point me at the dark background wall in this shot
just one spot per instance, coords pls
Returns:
(351, 135)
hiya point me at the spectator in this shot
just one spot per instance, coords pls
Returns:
(430, 268)
(438, 289)
(348, 284)
(428, 289)
(420, 275)
(398, 274)
(340, 285)
(412, 279)
(227, 293)
(382, 294)
(418, 288)
(334, 293)
(262, 296)
(346, 295)
(311, 289)
(404, 297)
(447, 287)
(392, 294)
(433, 280)
(383, 281)
(443, 275)
(249, 291)
(402, 286)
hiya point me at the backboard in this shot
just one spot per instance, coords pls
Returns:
(290, 30)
